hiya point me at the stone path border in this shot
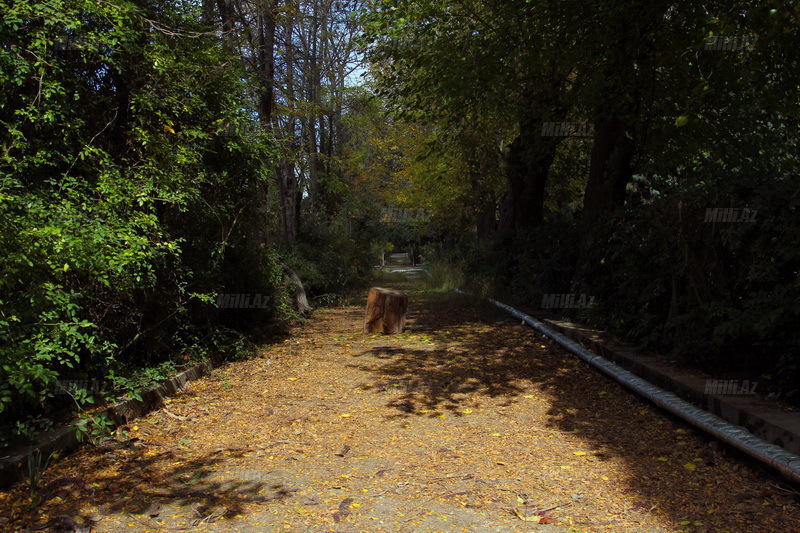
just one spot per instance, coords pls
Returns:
(761, 417)
(13, 463)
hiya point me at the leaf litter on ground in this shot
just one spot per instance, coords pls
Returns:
(467, 421)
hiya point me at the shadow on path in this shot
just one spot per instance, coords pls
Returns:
(461, 349)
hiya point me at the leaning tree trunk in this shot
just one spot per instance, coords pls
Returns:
(300, 298)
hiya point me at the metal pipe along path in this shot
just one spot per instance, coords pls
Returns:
(787, 463)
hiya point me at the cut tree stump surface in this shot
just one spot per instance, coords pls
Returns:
(465, 422)
(386, 311)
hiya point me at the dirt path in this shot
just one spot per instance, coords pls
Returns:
(466, 422)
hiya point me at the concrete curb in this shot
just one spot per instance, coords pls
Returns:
(760, 417)
(13, 463)
(764, 430)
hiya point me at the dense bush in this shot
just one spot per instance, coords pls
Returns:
(518, 268)
(124, 212)
(724, 296)
(721, 296)
(332, 256)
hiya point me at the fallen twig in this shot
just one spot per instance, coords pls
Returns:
(173, 415)
(784, 489)
(344, 451)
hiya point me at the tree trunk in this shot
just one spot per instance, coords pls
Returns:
(528, 165)
(486, 220)
(287, 182)
(515, 174)
(266, 63)
(626, 75)
(314, 89)
(209, 17)
(300, 298)
(609, 173)
(386, 311)
(413, 253)
(228, 15)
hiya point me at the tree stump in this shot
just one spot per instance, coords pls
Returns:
(386, 311)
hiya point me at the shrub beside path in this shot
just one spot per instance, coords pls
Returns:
(468, 421)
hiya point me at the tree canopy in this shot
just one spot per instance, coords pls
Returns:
(160, 156)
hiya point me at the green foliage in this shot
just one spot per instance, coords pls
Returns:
(37, 464)
(127, 383)
(521, 267)
(125, 200)
(331, 257)
(722, 295)
(26, 429)
(445, 275)
(94, 428)
(706, 128)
